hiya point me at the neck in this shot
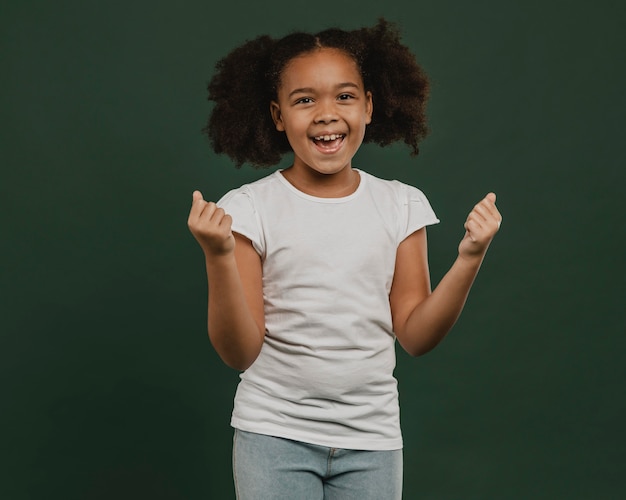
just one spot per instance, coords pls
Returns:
(313, 183)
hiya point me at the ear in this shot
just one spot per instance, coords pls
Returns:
(369, 107)
(277, 116)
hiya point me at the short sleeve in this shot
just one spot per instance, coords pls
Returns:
(239, 204)
(416, 211)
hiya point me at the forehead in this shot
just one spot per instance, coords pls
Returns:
(322, 66)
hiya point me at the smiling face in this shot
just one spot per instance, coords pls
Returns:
(323, 108)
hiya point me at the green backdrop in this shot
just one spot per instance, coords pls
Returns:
(109, 386)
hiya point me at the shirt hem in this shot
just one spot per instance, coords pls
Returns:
(329, 442)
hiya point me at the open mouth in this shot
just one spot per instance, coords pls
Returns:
(328, 143)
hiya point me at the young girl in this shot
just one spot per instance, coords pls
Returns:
(315, 270)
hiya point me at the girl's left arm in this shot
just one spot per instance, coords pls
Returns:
(421, 318)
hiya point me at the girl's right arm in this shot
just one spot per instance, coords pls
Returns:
(236, 321)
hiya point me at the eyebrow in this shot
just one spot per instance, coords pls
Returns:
(310, 90)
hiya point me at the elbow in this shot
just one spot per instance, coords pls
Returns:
(416, 351)
(237, 364)
(419, 345)
(237, 360)
(422, 350)
(239, 356)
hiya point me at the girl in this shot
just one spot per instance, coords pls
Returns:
(316, 269)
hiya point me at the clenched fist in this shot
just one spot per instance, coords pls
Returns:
(211, 226)
(481, 226)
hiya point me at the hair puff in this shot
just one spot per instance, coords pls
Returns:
(247, 79)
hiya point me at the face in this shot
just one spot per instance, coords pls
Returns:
(323, 108)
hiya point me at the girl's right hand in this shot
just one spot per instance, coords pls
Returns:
(211, 226)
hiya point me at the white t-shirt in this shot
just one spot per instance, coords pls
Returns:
(325, 372)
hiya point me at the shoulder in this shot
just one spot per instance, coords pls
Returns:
(251, 191)
(246, 205)
(411, 207)
(401, 191)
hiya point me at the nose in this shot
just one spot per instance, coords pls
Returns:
(325, 112)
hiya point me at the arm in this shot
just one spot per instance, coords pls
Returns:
(236, 322)
(421, 319)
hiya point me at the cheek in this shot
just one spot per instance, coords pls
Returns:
(296, 136)
(295, 125)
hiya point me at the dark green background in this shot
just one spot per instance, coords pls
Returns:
(110, 388)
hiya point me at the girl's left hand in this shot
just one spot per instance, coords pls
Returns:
(481, 226)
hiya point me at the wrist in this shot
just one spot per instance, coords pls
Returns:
(216, 260)
(473, 260)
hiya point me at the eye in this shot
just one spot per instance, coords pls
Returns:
(304, 100)
(345, 97)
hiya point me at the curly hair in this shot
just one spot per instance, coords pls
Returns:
(248, 78)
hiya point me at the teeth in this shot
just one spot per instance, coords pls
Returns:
(330, 137)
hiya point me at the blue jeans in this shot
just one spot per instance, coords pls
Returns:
(271, 468)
